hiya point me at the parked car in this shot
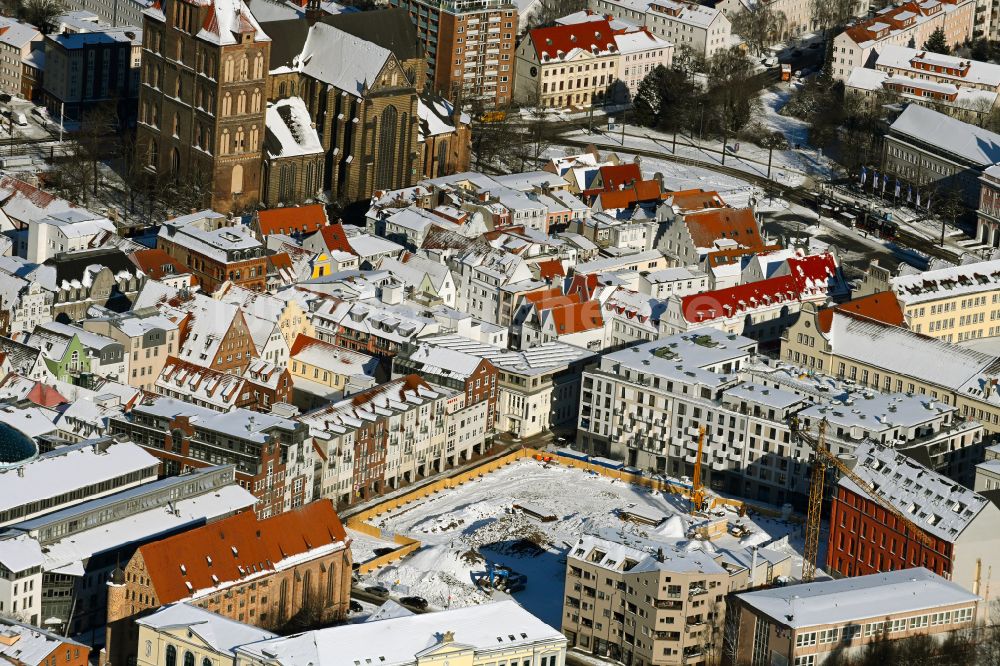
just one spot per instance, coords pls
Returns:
(770, 62)
(356, 606)
(377, 590)
(418, 603)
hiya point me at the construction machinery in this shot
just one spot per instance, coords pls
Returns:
(821, 459)
(697, 489)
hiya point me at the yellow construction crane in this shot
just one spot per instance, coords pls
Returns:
(697, 490)
(814, 517)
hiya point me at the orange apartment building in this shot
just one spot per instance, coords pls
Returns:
(215, 249)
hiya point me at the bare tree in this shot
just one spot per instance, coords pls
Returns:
(831, 15)
(41, 13)
(760, 26)
(550, 10)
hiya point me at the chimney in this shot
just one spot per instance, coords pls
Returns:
(314, 11)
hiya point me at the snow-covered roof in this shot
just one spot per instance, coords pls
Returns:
(221, 633)
(17, 34)
(289, 123)
(19, 552)
(974, 71)
(196, 232)
(876, 596)
(346, 62)
(71, 468)
(947, 282)
(227, 21)
(880, 345)
(28, 645)
(367, 245)
(639, 41)
(246, 424)
(949, 135)
(77, 222)
(501, 625)
(932, 501)
(620, 557)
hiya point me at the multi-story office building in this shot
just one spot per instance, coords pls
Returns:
(658, 606)
(469, 45)
(803, 625)
(85, 69)
(988, 213)
(215, 249)
(644, 405)
(933, 152)
(56, 566)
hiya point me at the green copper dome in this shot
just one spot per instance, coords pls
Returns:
(15, 446)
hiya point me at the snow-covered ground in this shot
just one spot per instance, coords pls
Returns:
(363, 546)
(463, 529)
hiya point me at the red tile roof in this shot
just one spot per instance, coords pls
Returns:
(641, 191)
(725, 257)
(883, 307)
(335, 238)
(593, 36)
(294, 219)
(44, 395)
(809, 277)
(615, 176)
(157, 264)
(583, 286)
(737, 224)
(577, 317)
(551, 269)
(236, 547)
(542, 294)
(688, 201)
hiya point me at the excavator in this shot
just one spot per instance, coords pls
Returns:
(823, 458)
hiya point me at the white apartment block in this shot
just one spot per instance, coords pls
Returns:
(644, 404)
(69, 231)
(704, 30)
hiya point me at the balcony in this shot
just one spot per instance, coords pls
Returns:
(675, 604)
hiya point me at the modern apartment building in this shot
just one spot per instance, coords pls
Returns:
(953, 304)
(802, 625)
(392, 435)
(658, 608)
(17, 40)
(148, 339)
(469, 45)
(643, 405)
(959, 525)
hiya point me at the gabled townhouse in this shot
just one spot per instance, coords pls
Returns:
(630, 316)
(369, 325)
(333, 253)
(689, 237)
(322, 371)
(104, 277)
(72, 353)
(24, 305)
(214, 334)
(147, 337)
(479, 276)
(22, 359)
(425, 278)
(274, 321)
(260, 387)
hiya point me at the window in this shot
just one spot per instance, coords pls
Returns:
(803, 640)
(188, 658)
(806, 660)
(171, 659)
